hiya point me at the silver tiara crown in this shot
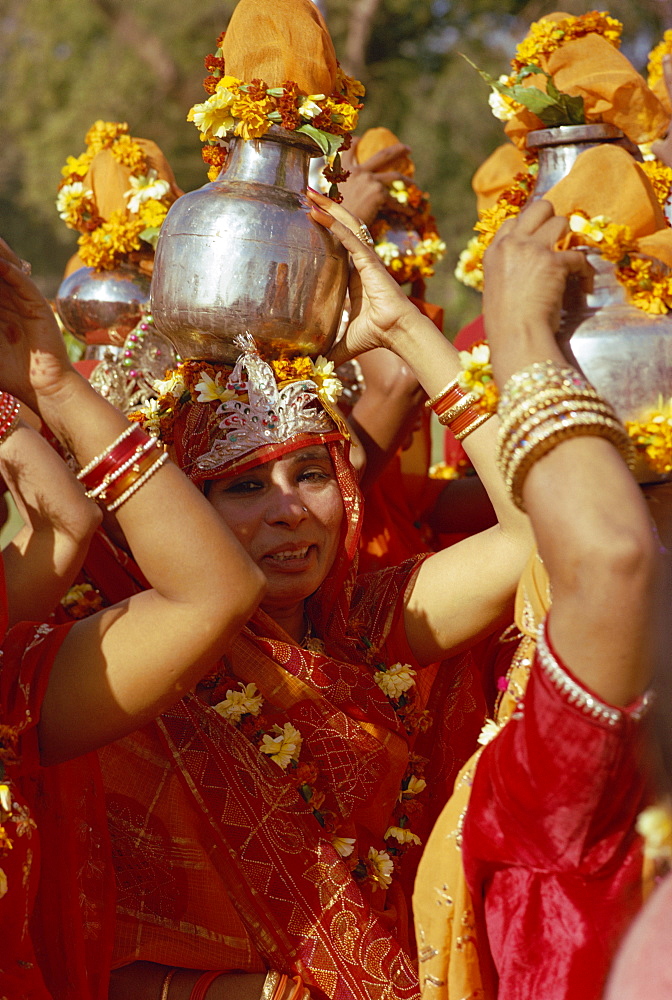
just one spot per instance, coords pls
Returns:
(270, 415)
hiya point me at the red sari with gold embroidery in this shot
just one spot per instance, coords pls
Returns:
(55, 924)
(226, 860)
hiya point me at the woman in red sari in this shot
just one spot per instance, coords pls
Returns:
(66, 690)
(275, 815)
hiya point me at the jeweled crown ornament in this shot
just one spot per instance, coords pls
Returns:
(257, 411)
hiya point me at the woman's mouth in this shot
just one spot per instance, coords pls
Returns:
(290, 559)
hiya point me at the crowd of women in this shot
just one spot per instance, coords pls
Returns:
(253, 771)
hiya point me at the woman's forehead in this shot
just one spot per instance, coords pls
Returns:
(307, 453)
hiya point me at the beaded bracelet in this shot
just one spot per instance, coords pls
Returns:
(116, 453)
(543, 406)
(140, 481)
(101, 490)
(166, 984)
(9, 415)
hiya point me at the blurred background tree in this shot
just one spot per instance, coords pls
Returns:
(63, 65)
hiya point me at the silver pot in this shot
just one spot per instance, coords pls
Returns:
(102, 307)
(625, 352)
(242, 255)
(560, 147)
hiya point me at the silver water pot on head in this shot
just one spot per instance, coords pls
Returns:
(243, 255)
(623, 351)
(101, 308)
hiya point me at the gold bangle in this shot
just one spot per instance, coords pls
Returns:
(510, 437)
(270, 982)
(530, 431)
(524, 408)
(431, 403)
(474, 425)
(166, 984)
(541, 375)
(163, 457)
(544, 439)
(446, 418)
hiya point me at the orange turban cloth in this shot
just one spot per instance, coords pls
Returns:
(376, 139)
(496, 174)
(612, 90)
(658, 245)
(280, 40)
(605, 180)
(110, 180)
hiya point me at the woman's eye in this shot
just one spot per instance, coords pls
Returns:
(313, 475)
(244, 486)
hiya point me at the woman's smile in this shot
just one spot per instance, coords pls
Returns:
(287, 513)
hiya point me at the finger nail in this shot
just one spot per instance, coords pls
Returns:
(312, 190)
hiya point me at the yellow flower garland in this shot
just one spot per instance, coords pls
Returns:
(655, 64)
(105, 243)
(544, 36)
(237, 108)
(651, 435)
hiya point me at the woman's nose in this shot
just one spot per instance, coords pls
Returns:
(285, 507)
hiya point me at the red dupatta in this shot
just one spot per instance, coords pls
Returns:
(245, 833)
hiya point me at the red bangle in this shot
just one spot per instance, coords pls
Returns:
(117, 453)
(200, 987)
(138, 463)
(453, 397)
(462, 422)
(300, 991)
(9, 414)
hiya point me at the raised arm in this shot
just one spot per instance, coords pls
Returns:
(465, 591)
(589, 516)
(120, 668)
(45, 555)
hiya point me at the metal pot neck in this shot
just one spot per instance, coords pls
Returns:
(559, 148)
(270, 160)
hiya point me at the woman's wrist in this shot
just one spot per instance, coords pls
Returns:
(419, 344)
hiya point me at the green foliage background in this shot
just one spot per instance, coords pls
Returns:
(64, 63)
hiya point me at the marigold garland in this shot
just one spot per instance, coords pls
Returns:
(660, 177)
(510, 95)
(242, 705)
(407, 209)
(202, 382)
(545, 36)
(655, 64)
(647, 281)
(651, 435)
(236, 108)
(469, 269)
(105, 243)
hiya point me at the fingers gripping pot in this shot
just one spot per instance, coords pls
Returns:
(242, 255)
